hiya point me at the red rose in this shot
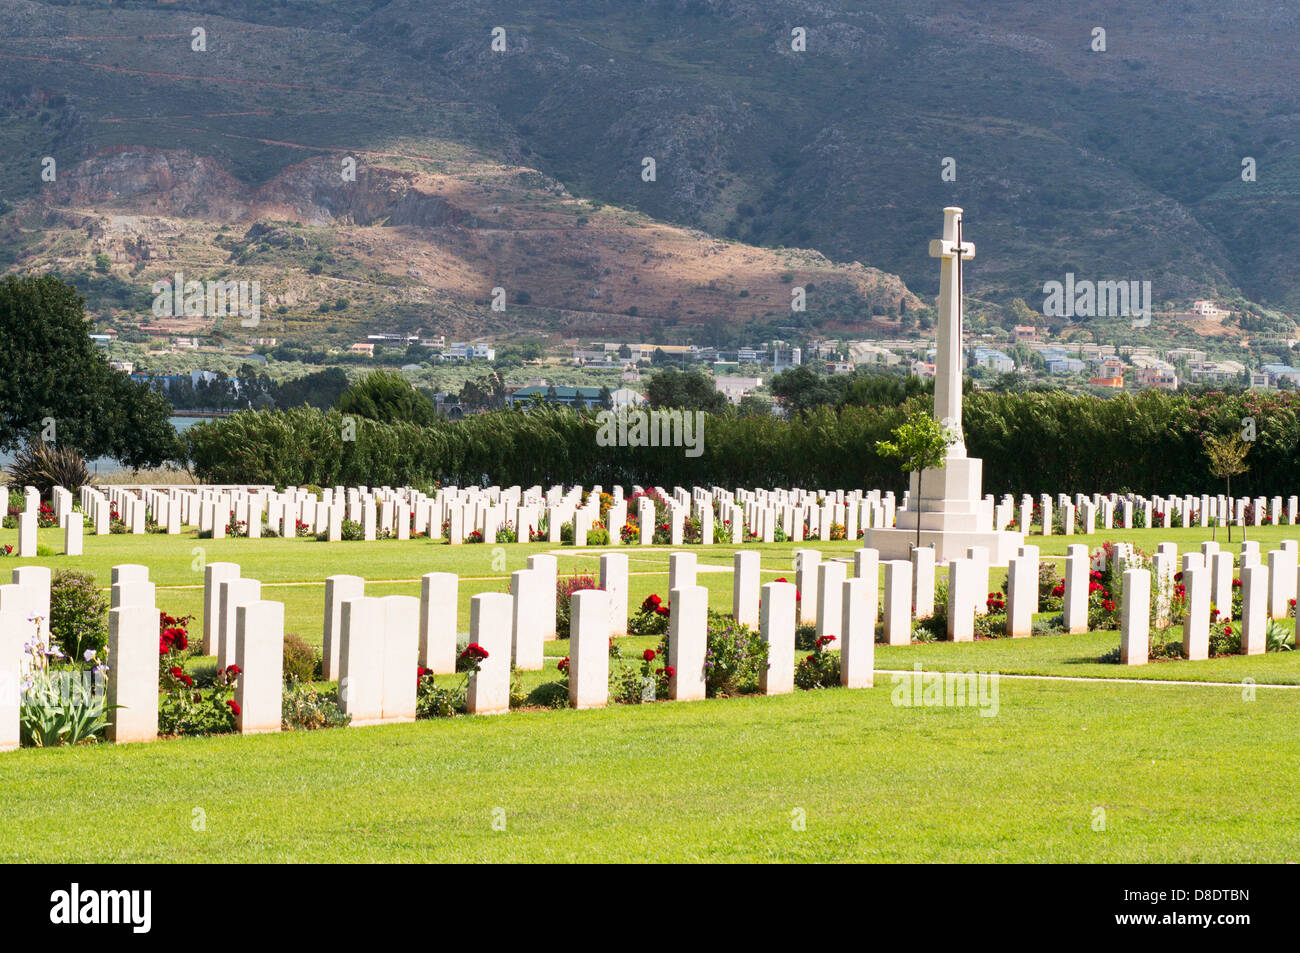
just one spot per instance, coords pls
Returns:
(669, 671)
(648, 655)
(234, 706)
(232, 670)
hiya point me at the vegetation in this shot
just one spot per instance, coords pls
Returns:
(45, 466)
(1031, 443)
(919, 444)
(57, 387)
(387, 396)
(1227, 456)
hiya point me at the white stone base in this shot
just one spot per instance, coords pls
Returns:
(894, 543)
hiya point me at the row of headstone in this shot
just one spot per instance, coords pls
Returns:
(131, 693)
(1084, 514)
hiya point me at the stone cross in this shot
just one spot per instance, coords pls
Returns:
(951, 251)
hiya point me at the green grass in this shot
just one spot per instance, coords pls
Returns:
(293, 572)
(1182, 774)
(716, 780)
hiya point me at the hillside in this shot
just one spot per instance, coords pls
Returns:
(522, 168)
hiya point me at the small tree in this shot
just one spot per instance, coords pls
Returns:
(920, 443)
(1227, 456)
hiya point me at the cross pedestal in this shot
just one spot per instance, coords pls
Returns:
(946, 501)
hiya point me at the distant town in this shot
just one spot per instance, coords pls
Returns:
(610, 373)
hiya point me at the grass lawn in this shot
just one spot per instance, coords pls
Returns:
(1182, 773)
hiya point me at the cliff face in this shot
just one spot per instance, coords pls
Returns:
(179, 184)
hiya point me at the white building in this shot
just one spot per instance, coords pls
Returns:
(734, 388)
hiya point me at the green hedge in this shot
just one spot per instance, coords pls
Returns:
(1030, 443)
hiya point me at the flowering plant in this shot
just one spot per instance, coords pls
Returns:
(651, 619)
(820, 668)
(471, 658)
(62, 699)
(188, 707)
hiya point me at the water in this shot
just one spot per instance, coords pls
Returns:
(108, 464)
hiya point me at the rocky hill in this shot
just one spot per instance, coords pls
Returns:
(524, 166)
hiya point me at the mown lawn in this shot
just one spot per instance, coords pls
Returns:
(1179, 773)
(293, 571)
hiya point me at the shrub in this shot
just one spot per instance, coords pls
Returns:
(45, 466)
(78, 613)
(549, 695)
(1225, 639)
(733, 659)
(805, 636)
(187, 708)
(651, 618)
(818, 669)
(991, 626)
(435, 701)
(301, 662)
(307, 708)
(565, 587)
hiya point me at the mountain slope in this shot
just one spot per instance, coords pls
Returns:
(1122, 164)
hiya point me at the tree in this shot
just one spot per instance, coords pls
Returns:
(388, 396)
(321, 389)
(484, 393)
(920, 443)
(687, 390)
(1227, 456)
(801, 388)
(55, 385)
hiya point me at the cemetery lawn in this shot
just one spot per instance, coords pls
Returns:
(293, 572)
(1182, 774)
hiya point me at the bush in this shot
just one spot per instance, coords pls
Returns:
(565, 587)
(651, 618)
(45, 466)
(306, 708)
(78, 613)
(818, 669)
(549, 695)
(301, 662)
(733, 659)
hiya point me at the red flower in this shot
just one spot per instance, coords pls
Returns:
(648, 655)
(661, 610)
(234, 707)
(563, 665)
(232, 670)
(669, 671)
(825, 640)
